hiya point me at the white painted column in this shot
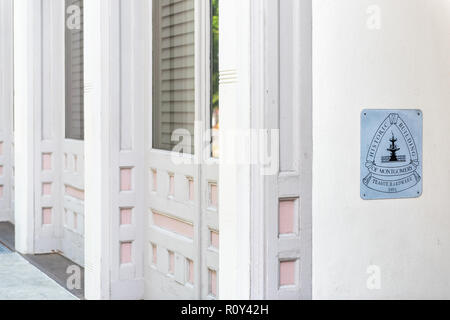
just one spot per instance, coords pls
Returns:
(234, 190)
(38, 62)
(390, 55)
(97, 26)
(27, 83)
(265, 83)
(115, 102)
(6, 109)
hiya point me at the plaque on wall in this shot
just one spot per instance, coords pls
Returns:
(391, 154)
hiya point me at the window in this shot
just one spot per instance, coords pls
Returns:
(74, 70)
(215, 76)
(173, 75)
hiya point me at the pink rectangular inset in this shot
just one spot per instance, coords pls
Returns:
(155, 180)
(191, 190)
(171, 262)
(125, 216)
(215, 239)
(46, 216)
(46, 161)
(125, 179)
(125, 252)
(287, 273)
(171, 185)
(1, 191)
(47, 189)
(213, 195)
(286, 216)
(213, 284)
(190, 275)
(154, 254)
(1, 171)
(174, 225)
(75, 193)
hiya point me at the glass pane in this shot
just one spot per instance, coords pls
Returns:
(215, 77)
(74, 43)
(173, 75)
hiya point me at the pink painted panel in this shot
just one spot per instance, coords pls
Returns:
(213, 195)
(1, 171)
(171, 185)
(75, 193)
(191, 190)
(171, 262)
(174, 225)
(1, 148)
(286, 217)
(125, 216)
(190, 271)
(125, 179)
(215, 239)
(154, 254)
(287, 273)
(46, 216)
(213, 285)
(125, 252)
(1, 191)
(46, 161)
(155, 180)
(47, 189)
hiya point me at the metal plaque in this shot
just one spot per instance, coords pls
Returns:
(391, 154)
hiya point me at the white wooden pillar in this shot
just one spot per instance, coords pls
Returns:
(115, 98)
(234, 206)
(97, 64)
(27, 99)
(38, 62)
(265, 106)
(6, 106)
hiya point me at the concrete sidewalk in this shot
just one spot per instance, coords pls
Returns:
(20, 280)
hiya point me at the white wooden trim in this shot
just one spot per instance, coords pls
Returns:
(267, 100)
(27, 48)
(99, 29)
(235, 111)
(257, 229)
(6, 110)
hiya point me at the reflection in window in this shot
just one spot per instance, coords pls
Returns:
(215, 76)
(173, 75)
(74, 70)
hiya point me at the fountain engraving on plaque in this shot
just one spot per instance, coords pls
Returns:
(391, 154)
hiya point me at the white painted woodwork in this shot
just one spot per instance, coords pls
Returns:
(288, 108)
(198, 212)
(47, 163)
(97, 153)
(115, 98)
(235, 107)
(72, 245)
(265, 88)
(6, 112)
(27, 48)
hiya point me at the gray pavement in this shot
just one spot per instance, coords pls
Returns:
(20, 280)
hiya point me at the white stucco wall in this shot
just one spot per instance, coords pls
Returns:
(404, 64)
